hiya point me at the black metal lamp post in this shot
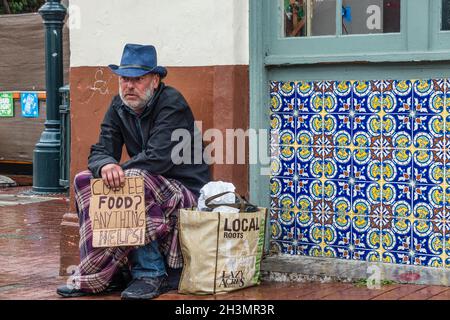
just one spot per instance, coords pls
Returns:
(46, 157)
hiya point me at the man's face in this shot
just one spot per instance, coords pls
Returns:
(137, 91)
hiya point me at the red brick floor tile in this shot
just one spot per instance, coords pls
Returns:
(359, 293)
(399, 292)
(425, 293)
(444, 295)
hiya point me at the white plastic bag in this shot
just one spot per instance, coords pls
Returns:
(215, 187)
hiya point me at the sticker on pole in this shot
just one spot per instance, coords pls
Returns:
(118, 217)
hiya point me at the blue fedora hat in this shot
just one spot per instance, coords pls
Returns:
(138, 60)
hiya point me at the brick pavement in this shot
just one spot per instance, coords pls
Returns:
(29, 265)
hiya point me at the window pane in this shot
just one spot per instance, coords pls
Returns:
(320, 21)
(370, 16)
(445, 14)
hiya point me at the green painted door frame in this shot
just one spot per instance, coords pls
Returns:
(420, 50)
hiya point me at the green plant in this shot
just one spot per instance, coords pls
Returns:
(364, 282)
(20, 6)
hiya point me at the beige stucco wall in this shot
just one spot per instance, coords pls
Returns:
(185, 32)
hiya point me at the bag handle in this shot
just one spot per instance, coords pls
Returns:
(240, 205)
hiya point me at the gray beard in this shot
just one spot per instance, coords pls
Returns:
(137, 107)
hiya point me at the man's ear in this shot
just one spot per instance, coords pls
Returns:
(158, 78)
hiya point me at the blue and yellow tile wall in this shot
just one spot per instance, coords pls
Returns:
(361, 170)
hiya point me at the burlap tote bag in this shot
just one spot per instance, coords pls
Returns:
(222, 251)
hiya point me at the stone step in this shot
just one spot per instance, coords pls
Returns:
(288, 268)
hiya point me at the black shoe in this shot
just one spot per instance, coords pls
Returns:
(146, 288)
(67, 291)
(173, 277)
(118, 283)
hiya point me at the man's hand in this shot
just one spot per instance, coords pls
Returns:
(113, 176)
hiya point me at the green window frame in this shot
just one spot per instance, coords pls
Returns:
(420, 38)
(440, 39)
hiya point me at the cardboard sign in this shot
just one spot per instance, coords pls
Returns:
(118, 217)
(6, 104)
(30, 107)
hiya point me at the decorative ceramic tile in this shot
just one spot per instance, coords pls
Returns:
(428, 131)
(366, 255)
(306, 224)
(311, 250)
(338, 165)
(447, 95)
(428, 167)
(361, 170)
(282, 227)
(310, 164)
(369, 126)
(337, 252)
(316, 234)
(366, 233)
(339, 231)
(427, 237)
(427, 261)
(429, 96)
(397, 96)
(397, 201)
(308, 123)
(282, 128)
(400, 209)
(337, 130)
(447, 178)
(428, 202)
(396, 235)
(396, 257)
(342, 208)
(397, 130)
(366, 166)
(402, 138)
(309, 97)
(286, 218)
(396, 166)
(312, 189)
(280, 168)
(305, 137)
(282, 193)
(275, 230)
(330, 189)
(282, 247)
(366, 198)
(338, 97)
(366, 96)
(304, 204)
(447, 240)
(282, 96)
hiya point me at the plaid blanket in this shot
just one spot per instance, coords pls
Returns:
(163, 198)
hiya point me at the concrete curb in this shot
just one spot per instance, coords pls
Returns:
(286, 268)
